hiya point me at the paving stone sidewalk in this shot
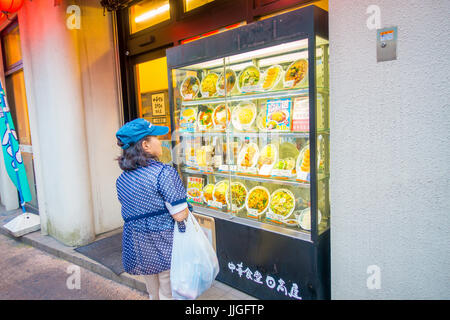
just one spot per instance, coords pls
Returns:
(49, 245)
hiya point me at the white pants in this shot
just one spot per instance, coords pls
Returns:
(158, 286)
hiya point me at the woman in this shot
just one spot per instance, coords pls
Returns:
(153, 197)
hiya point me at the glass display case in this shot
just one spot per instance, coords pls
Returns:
(251, 138)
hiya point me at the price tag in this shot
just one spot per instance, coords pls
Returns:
(303, 176)
(265, 170)
(282, 173)
(289, 84)
(205, 94)
(223, 167)
(252, 213)
(215, 204)
(188, 96)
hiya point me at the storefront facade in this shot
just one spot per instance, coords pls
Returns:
(84, 80)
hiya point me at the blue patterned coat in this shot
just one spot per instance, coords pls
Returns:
(148, 229)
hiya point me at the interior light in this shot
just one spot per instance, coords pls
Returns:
(150, 14)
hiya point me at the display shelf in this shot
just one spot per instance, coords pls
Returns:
(243, 176)
(297, 234)
(248, 96)
(270, 134)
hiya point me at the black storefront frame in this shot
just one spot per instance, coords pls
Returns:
(308, 261)
(152, 42)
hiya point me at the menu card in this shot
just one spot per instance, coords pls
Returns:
(300, 114)
(279, 114)
(194, 189)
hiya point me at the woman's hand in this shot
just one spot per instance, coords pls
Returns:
(180, 216)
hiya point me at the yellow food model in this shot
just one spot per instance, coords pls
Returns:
(208, 192)
(209, 84)
(203, 156)
(305, 166)
(272, 75)
(245, 115)
(248, 158)
(258, 199)
(296, 72)
(268, 156)
(220, 192)
(221, 117)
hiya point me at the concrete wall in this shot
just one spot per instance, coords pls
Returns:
(390, 171)
(74, 113)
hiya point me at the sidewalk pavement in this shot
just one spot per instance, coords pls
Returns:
(218, 291)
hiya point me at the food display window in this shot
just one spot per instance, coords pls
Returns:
(251, 138)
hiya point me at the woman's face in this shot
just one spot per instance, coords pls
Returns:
(152, 146)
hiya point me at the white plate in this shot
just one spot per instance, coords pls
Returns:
(281, 217)
(221, 92)
(246, 193)
(220, 126)
(277, 79)
(290, 83)
(202, 127)
(248, 196)
(249, 88)
(195, 88)
(235, 115)
(304, 219)
(243, 151)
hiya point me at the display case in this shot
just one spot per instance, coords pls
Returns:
(251, 143)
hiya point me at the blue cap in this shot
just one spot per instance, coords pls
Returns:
(133, 131)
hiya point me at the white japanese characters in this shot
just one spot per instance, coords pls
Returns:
(270, 281)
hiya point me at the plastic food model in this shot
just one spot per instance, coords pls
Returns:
(208, 192)
(305, 165)
(204, 156)
(258, 199)
(249, 77)
(221, 192)
(282, 202)
(205, 119)
(272, 77)
(268, 155)
(244, 115)
(248, 154)
(221, 117)
(189, 87)
(261, 121)
(208, 86)
(304, 218)
(230, 75)
(285, 164)
(296, 72)
(238, 195)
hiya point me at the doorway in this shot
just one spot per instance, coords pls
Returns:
(152, 95)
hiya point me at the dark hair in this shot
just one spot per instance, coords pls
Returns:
(134, 156)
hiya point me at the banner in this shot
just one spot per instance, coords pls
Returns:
(11, 152)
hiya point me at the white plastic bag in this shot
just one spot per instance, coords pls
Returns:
(194, 263)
